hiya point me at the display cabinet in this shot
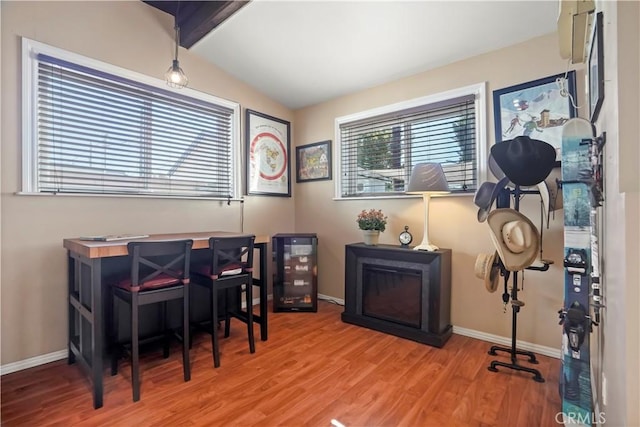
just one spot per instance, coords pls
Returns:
(295, 272)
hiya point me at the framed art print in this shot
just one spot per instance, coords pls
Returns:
(313, 162)
(537, 109)
(596, 70)
(268, 144)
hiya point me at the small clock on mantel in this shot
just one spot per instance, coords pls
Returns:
(405, 237)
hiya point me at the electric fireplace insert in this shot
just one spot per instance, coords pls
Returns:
(399, 291)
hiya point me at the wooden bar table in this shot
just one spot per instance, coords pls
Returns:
(90, 261)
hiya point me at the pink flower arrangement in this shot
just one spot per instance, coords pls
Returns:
(373, 219)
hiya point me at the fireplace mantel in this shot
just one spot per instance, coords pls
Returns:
(399, 291)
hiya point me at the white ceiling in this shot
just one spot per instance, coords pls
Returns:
(304, 52)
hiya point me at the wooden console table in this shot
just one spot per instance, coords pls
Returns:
(399, 291)
(90, 262)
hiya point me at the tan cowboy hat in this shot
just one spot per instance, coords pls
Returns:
(551, 193)
(515, 237)
(487, 268)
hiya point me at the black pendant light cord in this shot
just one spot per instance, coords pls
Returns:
(177, 31)
(174, 76)
(176, 27)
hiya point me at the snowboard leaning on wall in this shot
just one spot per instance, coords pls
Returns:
(579, 193)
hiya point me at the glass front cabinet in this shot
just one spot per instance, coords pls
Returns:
(295, 272)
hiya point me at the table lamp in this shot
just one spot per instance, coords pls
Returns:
(427, 179)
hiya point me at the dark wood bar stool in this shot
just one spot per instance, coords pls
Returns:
(159, 273)
(229, 269)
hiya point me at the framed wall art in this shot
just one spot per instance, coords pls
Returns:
(596, 69)
(537, 109)
(313, 162)
(268, 162)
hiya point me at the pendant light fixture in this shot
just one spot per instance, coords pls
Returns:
(174, 76)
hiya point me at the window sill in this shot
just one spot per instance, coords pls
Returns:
(127, 196)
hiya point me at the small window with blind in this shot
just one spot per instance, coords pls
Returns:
(93, 128)
(378, 148)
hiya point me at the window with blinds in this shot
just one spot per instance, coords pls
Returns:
(96, 131)
(378, 149)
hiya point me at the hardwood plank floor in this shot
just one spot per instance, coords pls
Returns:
(314, 368)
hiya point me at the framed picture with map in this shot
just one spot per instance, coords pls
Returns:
(268, 163)
(313, 162)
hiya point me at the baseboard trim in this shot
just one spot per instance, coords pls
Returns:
(331, 299)
(33, 362)
(256, 301)
(58, 355)
(497, 339)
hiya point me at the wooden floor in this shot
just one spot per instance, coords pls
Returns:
(313, 369)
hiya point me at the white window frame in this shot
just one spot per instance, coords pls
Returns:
(478, 90)
(30, 51)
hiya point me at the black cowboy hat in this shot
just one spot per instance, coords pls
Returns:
(523, 160)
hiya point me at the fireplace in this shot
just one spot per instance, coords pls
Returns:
(399, 291)
(392, 294)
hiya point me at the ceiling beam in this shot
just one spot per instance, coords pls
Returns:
(196, 19)
(208, 16)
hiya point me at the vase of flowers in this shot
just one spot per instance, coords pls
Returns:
(371, 222)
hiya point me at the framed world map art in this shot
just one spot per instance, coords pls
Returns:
(313, 162)
(268, 145)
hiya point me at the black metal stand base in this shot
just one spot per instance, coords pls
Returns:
(514, 362)
(515, 308)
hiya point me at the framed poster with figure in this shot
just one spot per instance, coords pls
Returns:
(537, 109)
(313, 162)
(267, 141)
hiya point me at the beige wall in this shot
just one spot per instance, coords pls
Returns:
(131, 35)
(452, 220)
(618, 338)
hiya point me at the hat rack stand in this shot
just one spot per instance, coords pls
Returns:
(515, 305)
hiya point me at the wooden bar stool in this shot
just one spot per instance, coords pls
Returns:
(230, 268)
(159, 273)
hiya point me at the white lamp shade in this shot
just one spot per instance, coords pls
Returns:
(428, 178)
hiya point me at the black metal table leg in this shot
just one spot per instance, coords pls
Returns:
(85, 319)
(96, 331)
(263, 291)
(262, 283)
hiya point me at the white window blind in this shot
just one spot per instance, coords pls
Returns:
(378, 152)
(101, 133)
